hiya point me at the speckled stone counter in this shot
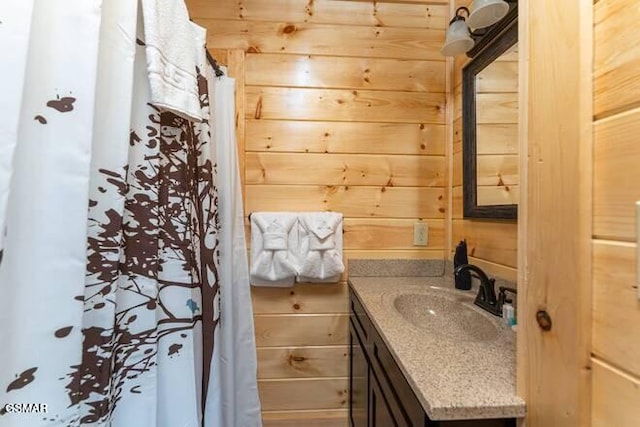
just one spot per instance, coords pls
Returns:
(471, 379)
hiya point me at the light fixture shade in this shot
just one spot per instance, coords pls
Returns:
(458, 39)
(487, 12)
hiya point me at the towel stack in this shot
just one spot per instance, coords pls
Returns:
(288, 247)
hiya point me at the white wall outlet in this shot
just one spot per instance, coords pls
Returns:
(420, 233)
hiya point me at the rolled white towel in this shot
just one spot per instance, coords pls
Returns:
(274, 242)
(320, 247)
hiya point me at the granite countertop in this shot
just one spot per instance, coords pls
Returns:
(453, 379)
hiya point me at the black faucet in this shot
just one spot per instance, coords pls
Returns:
(486, 298)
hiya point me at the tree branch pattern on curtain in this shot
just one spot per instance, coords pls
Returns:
(152, 264)
(153, 267)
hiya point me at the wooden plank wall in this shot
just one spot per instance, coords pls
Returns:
(343, 109)
(492, 244)
(554, 275)
(616, 309)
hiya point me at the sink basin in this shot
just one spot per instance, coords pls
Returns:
(446, 316)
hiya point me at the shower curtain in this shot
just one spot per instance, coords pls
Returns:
(235, 402)
(110, 230)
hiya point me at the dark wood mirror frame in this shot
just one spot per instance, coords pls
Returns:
(495, 42)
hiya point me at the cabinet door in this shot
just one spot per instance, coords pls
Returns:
(379, 410)
(358, 381)
(404, 405)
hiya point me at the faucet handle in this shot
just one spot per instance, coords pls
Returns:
(502, 294)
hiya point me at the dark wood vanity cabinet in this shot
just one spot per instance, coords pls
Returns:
(379, 394)
(381, 414)
(358, 382)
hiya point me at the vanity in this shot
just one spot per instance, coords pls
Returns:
(422, 355)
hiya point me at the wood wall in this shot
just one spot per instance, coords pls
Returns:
(554, 274)
(341, 108)
(616, 309)
(492, 244)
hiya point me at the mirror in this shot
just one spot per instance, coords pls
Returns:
(490, 127)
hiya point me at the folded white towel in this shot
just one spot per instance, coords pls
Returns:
(320, 247)
(274, 242)
(172, 46)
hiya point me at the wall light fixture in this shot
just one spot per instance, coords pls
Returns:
(458, 39)
(485, 13)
